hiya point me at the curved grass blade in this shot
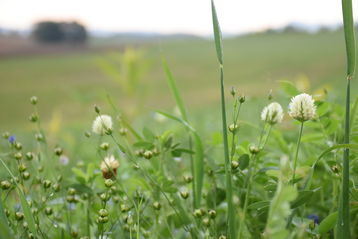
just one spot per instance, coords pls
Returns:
(5, 231)
(229, 189)
(24, 204)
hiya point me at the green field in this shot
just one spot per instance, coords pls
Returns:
(69, 84)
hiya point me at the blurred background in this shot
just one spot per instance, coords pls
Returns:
(73, 54)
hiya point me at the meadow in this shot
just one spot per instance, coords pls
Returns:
(245, 138)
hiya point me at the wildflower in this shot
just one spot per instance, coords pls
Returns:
(64, 160)
(102, 125)
(12, 139)
(109, 167)
(302, 107)
(272, 113)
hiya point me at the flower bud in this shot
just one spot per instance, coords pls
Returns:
(242, 99)
(104, 197)
(97, 109)
(6, 135)
(48, 211)
(222, 237)
(206, 221)
(188, 178)
(40, 168)
(104, 146)
(233, 128)
(19, 216)
(33, 117)
(184, 194)
(253, 149)
(103, 212)
(39, 137)
(46, 184)
(148, 154)
(233, 91)
(71, 191)
(18, 146)
(234, 164)
(5, 185)
(212, 214)
(56, 187)
(58, 151)
(108, 183)
(157, 205)
(102, 220)
(25, 175)
(18, 155)
(198, 213)
(88, 134)
(22, 167)
(124, 208)
(34, 100)
(29, 155)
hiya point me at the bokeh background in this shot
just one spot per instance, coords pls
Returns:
(73, 54)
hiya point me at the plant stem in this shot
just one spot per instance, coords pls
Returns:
(296, 154)
(343, 222)
(231, 210)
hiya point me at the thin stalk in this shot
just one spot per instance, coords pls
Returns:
(296, 154)
(231, 210)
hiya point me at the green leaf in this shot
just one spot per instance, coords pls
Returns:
(174, 89)
(289, 88)
(303, 197)
(338, 146)
(148, 134)
(217, 34)
(244, 161)
(330, 221)
(348, 24)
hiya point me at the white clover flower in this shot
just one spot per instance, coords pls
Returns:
(302, 107)
(272, 114)
(102, 124)
(109, 166)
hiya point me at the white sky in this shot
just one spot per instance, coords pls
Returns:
(168, 16)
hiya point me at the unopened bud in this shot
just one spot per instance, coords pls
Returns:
(34, 100)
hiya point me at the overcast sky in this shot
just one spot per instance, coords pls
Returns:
(169, 16)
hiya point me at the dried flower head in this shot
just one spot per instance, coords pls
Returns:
(109, 167)
(102, 124)
(272, 113)
(302, 107)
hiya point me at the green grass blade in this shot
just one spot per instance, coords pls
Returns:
(348, 24)
(228, 178)
(343, 222)
(174, 89)
(5, 231)
(217, 34)
(24, 204)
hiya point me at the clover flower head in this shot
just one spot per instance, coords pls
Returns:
(272, 114)
(109, 167)
(102, 124)
(302, 107)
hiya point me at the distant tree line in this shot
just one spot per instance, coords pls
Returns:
(60, 32)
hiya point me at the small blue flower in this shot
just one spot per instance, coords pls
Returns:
(12, 139)
(314, 217)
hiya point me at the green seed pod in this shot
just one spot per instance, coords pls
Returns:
(33, 100)
(104, 197)
(34, 210)
(5, 185)
(97, 109)
(206, 221)
(242, 99)
(103, 212)
(39, 137)
(123, 131)
(46, 184)
(33, 118)
(19, 216)
(71, 191)
(184, 194)
(6, 135)
(29, 156)
(234, 164)
(156, 205)
(233, 128)
(56, 187)
(48, 211)
(198, 213)
(212, 214)
(87, 134)
(18, 146)
(108, 183)
(103, 219)
(40, 169)
(25, 175)
(188, 178)
(18, 156)
(22, 167)
(104, 146)
(148, 154)
(58, 151)
(124, 208)
(253, 149)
